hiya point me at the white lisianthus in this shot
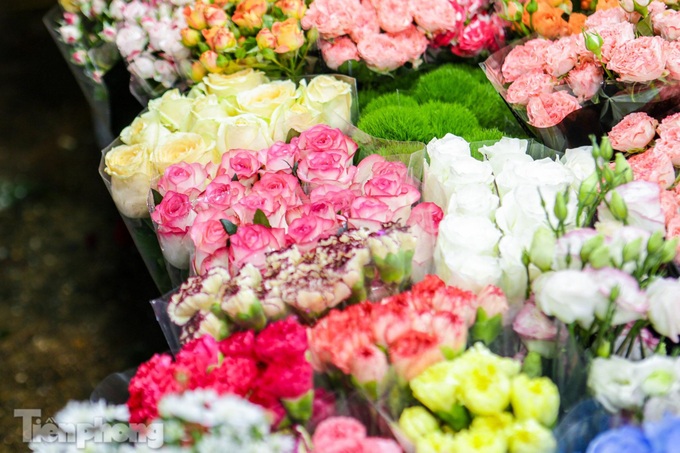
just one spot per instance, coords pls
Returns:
(544, 173)
(142, 67)
(643, 203)
(631, 303)
(581, 162)
(620, 236)
(568, 248)
(263, 99)
(225, 86)
(468, 271)
(616, 383)
(514, 278)
(245, 131)
(331, 97)
(569, 295)
(473, 200)
(664, 299)
(468, 234)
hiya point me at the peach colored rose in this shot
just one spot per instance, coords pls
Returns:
(639, 60)
(335, 53)
(549, 109)
(669, 144)
(434, 16)
(667, 24)
(610, 16)
(585, 80)
(195, 17)
(525, 58)
(672, 53)
(381, 53)
(529, 85)
(393, 15)
(561, 57)
(633, 132)
(602, 4)
(265, 39)
(215, 16)
(669, 122)
(289, 36)
(548, 21)
(292, 8)
(219, 38)
(249, 13)
(577, 23)
(365, 22)
(332, 18)
(654, 166)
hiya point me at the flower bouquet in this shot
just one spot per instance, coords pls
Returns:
(567, 89)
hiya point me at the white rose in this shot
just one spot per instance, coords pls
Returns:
(468, 234)
(514, 279)
(181, 147)
(505, 150)
(443, 177)
(540, 173)
(245, 131)
(174, 110)
(331, 97)
(225, 86)
(468, 170)
(177, 249)
(263, 99)
(631, 303)
(615, 383)
(580, 161)
(473, 199)
(130, 39)
(131, 173)
(468, 271)
(295, 116)
(145, 129)
(569, 295)
(207, 112)
(664, 299)
(445, 150)
(643, 203)
(568, 248)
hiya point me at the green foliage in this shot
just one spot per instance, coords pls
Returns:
(448, 83)
(482, 134)
(444, 118)
(396, 123)
(396, 98)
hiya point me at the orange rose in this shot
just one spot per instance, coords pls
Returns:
(547, 21)
(219, 38)
(266, 39)
(190, 37)
(249, 13)
(292, 8)
(606, 4)
(577, 22)
(209, 60)
(197, 71)
(289, 36)
(195, 17)
(215, 16)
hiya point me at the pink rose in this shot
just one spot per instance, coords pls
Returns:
(381, 53)
(436, 16)
(528, 85)
(251, 243)
(274, 209)
(174, 214)
(322, 209)
(369, 365)
(585, 80)
(411, 42)
(307, 231)
(611, 16)
(189, 179)
(393, 15)
(613, 37)
(369, 212)
(281, 157)
(365, 22)
(240, 162)
(281, 187)
(525, 58)
(547, 110)
(322, 138)
(654, 166)
(480, 34)
(340, 198)
(639, 60)
(669, 122)
(667, 24)
(669, 144)
(221, 193)
(672, 54)
(633, 132)
(335, 53)
(332, 18)
(207, 231)
(203, 262)
(326, 167)
(561, 56)
(669, 205)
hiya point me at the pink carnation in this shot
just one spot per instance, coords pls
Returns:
(381, 53)
(585, 80)
(633, 132)
(411, 42)
(339, 51)
(561, 56)
(525, 58)
(639, 60)
(365, 22)
(332, 18)
(613, 37)
(528, 85)
(393, 15)
(436, 16)
(611, 16)
(667, 24)
(672, 54)
(654, 166)
(669, 205)
(547, 110)
(481, 33)
(669, 144)
(335, 430)
(669, 122)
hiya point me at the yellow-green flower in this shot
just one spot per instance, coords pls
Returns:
(479, 441)
(535, 398)
(436, 442)
(485, 390)
(480, 354)
(416, 422)
(437, 386)
(496, 425)
(529, 436)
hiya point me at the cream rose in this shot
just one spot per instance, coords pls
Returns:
(224, 86)
(296, 116)
(174, 110)
(332, 97)
(207, 113)
(264, 99)
(146, 129)
(181, 147)
(131, 173)
(245, 131)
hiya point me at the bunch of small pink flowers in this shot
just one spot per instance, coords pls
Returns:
(228, 36)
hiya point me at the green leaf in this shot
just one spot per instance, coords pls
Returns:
(235, 177)
(229, 226)
(267, 21)
(261, 219)
(240, 53)
(203, 47)
(269, 54)
(644, 27)
(157, 197)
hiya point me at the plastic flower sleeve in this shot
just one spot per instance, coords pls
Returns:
(170, 331)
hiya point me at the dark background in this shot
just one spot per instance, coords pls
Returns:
(73, 290)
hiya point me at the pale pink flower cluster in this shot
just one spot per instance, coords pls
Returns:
(387, 34)
(554, 78)
(149, 39)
